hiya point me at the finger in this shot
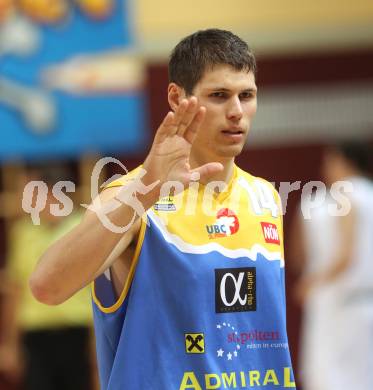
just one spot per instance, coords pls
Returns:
(165, 127)
(193, 128)
(188, 116)
(171, 122)
(207, 170)
(179, 114)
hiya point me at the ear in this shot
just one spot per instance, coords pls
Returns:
(175, 95)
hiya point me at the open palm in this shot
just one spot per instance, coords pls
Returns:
(168, 159)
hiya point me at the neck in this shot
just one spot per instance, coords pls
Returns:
(225, 175)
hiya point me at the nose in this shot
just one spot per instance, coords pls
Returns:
(234, 110)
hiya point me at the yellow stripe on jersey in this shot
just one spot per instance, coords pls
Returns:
(130, 276)
(246, 213)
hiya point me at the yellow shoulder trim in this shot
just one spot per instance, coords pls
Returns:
(130, 276)
(123, 180)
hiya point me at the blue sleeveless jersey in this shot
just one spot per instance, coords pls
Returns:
(204, 304)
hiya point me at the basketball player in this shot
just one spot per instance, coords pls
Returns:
(336, 285)
(191, 296)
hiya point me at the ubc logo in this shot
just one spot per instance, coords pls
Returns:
(226, 224)
(235, 289)
(270, 233)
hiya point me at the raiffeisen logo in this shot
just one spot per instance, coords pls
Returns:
(226, 224)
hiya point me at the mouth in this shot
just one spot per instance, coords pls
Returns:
(235, 130)
(232, 132)
(234, 135)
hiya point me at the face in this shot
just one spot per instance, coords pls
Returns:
(230, 98)
(333, 166)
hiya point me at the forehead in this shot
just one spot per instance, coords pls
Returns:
(225, 76)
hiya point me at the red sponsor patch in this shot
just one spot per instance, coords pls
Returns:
(270, 233)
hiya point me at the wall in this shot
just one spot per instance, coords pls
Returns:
(270, 26)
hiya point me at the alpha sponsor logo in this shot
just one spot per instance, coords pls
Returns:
(282, 376)
(194, 343)
(165, 204)
(235, 289)
(270, 233)
(225, 225)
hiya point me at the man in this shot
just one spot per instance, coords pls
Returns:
(191, 296)
(336, 284)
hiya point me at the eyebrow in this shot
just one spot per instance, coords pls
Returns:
(229, 90)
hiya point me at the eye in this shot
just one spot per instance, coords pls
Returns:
(220, 95)
(247, 95)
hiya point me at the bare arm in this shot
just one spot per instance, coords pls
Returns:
(90, 248)
(84, 253)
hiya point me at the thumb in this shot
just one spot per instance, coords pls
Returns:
(207, 170)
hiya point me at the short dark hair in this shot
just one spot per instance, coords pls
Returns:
(204, 49)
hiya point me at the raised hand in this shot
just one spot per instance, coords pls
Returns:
(168, 159)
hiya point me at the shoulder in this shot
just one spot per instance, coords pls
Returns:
(123, 180)
(256, 180)
(261, 192)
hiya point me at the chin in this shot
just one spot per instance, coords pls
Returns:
(230, 151)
